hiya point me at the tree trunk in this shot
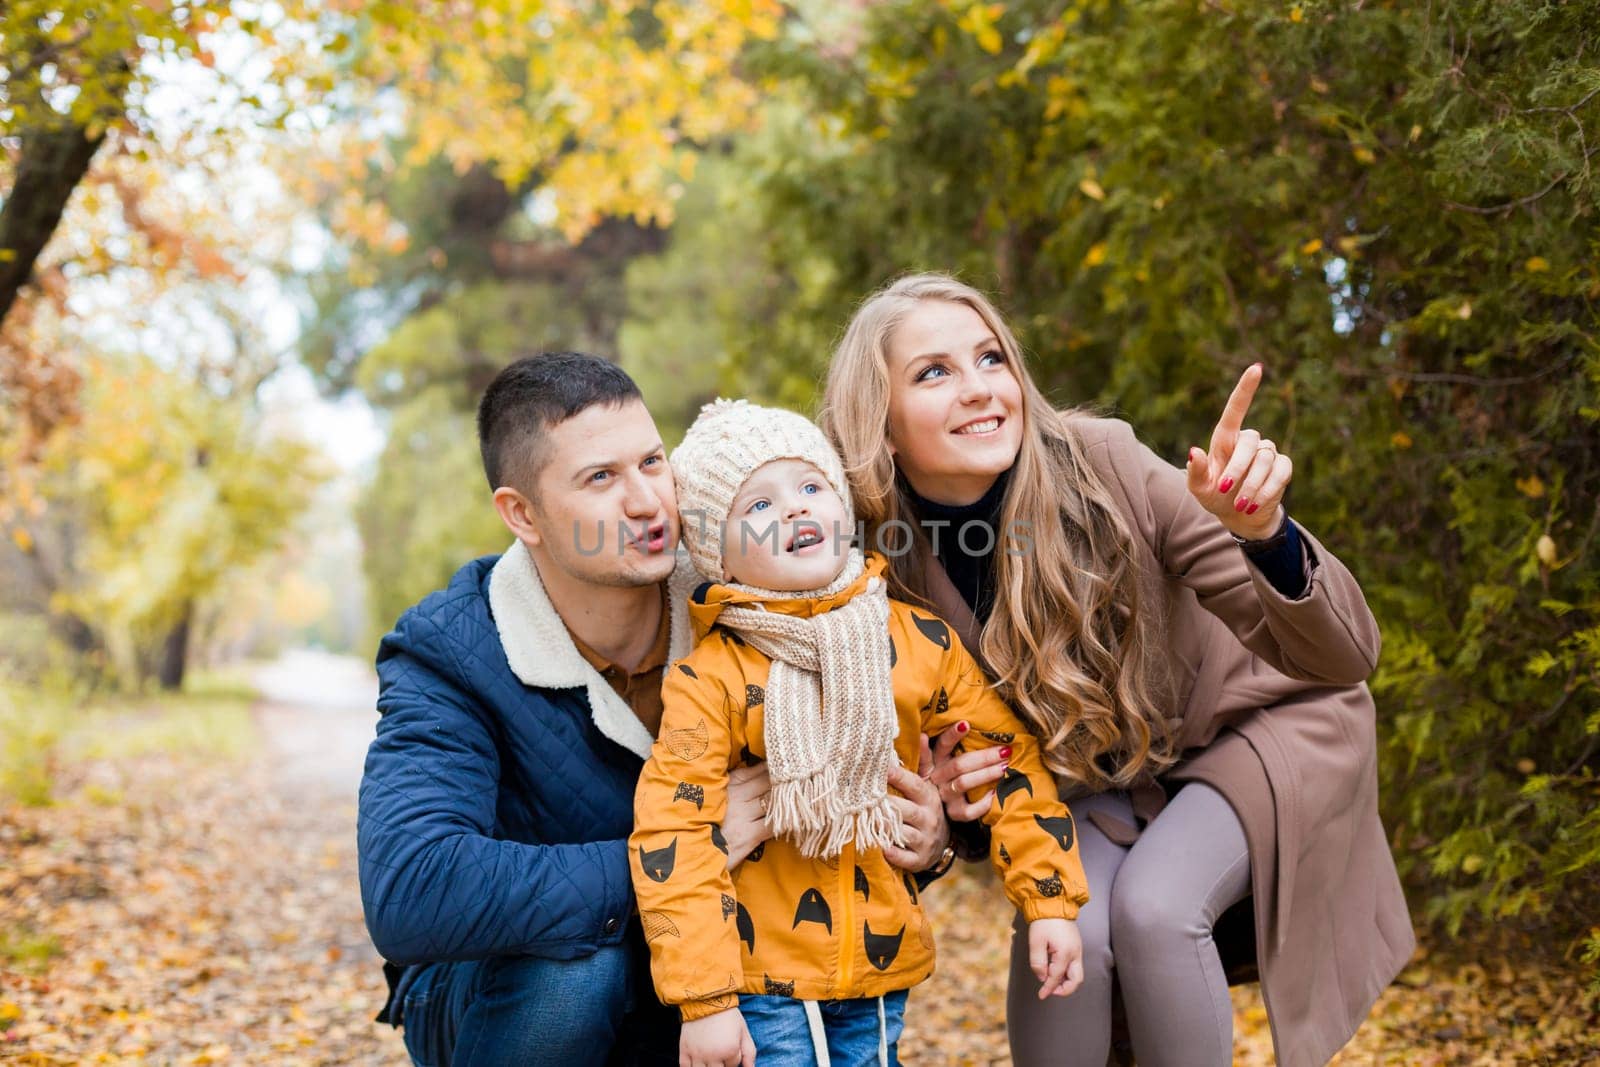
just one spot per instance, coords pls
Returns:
(53, 159)
(175, 652)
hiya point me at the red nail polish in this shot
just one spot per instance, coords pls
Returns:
(1005, 751)
(1251, 510)
(961, 727)
(1224, 485)
(1240, 504)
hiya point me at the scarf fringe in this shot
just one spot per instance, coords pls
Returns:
(808, 813)
(802, 808)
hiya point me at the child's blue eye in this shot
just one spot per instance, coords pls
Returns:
(811, 488)
(760, 505)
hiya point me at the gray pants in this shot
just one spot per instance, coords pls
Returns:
(1150, 915)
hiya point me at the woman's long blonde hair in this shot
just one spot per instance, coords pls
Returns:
(1070, 647)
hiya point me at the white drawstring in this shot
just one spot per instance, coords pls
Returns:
(819, 1039)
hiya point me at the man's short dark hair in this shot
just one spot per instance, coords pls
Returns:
(531, 397)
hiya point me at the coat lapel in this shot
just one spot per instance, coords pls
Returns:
(541, 654)
(953, 609)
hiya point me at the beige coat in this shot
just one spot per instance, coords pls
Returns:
(1275, 715)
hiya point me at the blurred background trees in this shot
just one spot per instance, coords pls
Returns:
(1392, 205)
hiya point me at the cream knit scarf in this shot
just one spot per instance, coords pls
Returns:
(830, 718)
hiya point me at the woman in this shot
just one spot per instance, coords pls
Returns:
(1192, 662)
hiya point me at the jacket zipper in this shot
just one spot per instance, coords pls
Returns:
(847, 893)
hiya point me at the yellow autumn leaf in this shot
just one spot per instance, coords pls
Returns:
(1536, 265)
(1400, 439)
(1472, 864)
(1363, 154)
(1296, 14)
(979, 23)
(1091, 188)
(1096, 255)
(1311, 247)
(1531, 486)
(1545, 549)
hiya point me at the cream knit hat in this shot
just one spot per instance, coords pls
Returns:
(729, 441)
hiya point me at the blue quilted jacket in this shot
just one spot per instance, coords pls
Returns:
(494, 816)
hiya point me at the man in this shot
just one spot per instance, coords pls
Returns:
(517, 708)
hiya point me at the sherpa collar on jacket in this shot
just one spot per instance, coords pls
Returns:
(541, 654)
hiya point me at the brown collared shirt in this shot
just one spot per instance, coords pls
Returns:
(639, 688)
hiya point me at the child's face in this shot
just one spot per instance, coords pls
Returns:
(787, 530)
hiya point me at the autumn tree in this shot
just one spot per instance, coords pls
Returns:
(158, 495)
(542, 148)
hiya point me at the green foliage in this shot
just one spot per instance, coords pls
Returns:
(427, 510)
(1392, 206)
(48, 728)
(27, 949)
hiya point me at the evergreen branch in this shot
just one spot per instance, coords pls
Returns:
(1520, 202)
(1569, 109)
(1459, 379)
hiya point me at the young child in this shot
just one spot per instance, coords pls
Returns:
(806, 950)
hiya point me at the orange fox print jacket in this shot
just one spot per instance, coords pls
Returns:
(780, 923)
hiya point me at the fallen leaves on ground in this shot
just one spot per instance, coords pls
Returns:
(1446, 1010)
(179, 910)
(196, 914)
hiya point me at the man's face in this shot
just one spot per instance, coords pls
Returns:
(606, 511)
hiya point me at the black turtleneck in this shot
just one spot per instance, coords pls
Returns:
(968, 559)
(1285, 560)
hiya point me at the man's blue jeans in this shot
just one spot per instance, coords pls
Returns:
(531, 1011)
(782, 1035)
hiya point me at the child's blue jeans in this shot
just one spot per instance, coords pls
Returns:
(782, 1032)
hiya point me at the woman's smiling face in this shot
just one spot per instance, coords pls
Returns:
(955, 407)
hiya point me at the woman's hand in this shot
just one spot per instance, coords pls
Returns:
(745, 824)
(954, 777)
(1242, 479)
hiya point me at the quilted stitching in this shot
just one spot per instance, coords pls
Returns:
(493, 817)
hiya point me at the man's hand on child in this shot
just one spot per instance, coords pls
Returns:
(720, 1040)
(926, 831)
(745, 824)
(1055, 952)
